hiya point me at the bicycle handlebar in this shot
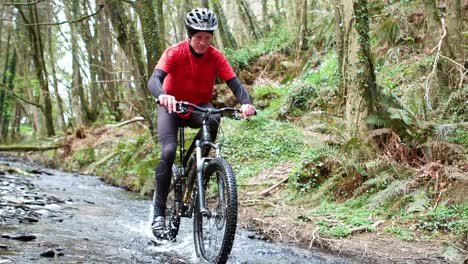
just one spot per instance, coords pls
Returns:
(184, 107)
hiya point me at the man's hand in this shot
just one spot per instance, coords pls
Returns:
(247, 110)
(168, 101)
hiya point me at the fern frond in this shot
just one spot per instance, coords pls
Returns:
(455, 173)
(375, 165)
(420, 202)
(396, 188)
(443, 131)
(376, 182)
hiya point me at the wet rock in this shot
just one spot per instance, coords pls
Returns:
(55, 199)
(53, 207)
(38, 172)
(20, 237)
(51, 252)
(12, 199)
(31, 219)
(257, 236)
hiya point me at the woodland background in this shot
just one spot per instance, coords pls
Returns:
(362, 104)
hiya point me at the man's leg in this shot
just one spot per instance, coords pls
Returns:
(167, 135)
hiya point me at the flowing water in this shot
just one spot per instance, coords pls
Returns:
(50, 216)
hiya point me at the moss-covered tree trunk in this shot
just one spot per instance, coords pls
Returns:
(151, 35)
(79, 102)
(358, 70)
(35, 38)
(88, 35)
(248, 18)
(339, 38)
(227, 39)
(7, 83)
(128, 39)
(456, 42)
(303, 27)
(161, 24)
(51, 45)
(110, 92)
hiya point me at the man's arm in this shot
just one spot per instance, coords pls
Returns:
(156, 81)
(239, 91)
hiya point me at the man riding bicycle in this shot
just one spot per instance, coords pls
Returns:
(187, 72)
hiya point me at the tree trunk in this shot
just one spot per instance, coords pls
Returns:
(92, 104)
(227, 39)
(185, 7)
(303, 28)
(432, 24)
(71, 11)
(248, 18)
(161, 27)
(34, 34)
(4, 101)
(79, 104)
(204, 3)
(128, 40)
(5, 98)
(33, 113)
(15, 126)
(109, 92)
(455, 40)
(28, 147)
(358, 71)
(339, 40)
(265, 16)
(151, 36)
(51, 50)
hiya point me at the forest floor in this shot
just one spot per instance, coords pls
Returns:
(276, 219)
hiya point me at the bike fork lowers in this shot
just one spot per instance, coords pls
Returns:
(200, 175)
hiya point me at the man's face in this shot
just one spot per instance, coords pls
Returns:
(201, 41)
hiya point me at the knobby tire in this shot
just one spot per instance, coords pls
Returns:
(221, 197)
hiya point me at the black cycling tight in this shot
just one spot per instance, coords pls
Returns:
(168, 124)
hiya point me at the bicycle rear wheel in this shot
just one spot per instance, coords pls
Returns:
(214, 233)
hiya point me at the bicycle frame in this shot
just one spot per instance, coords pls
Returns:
(201, 143)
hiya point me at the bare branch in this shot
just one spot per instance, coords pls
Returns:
(434, 65)
(106, 70)
(128, 2)
(63, 22)
(460, 68)
(24, 4)
(8, 90)
(133, 120)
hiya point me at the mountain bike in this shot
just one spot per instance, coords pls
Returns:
(203, 186)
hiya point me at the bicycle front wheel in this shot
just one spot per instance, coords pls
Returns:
(214, 232)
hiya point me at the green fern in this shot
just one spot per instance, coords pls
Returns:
(420, 203)
(377, 182)
(389, 31)
(395, 189)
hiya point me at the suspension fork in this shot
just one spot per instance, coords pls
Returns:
(200, 179)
